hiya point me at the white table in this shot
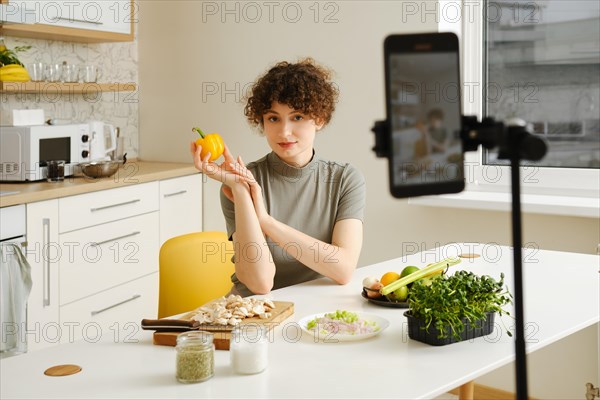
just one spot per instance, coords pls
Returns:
(387, 366)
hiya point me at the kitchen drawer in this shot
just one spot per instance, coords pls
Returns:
(118, 309)
(180, 206)
(98, 258)
(76, 212)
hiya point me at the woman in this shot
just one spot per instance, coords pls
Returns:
(292, 216)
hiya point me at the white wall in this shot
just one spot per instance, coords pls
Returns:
(193, 71)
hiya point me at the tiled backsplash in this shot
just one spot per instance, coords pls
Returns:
(118, 63)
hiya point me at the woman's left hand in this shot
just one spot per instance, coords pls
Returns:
(255, 190)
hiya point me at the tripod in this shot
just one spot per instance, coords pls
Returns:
(514, 143)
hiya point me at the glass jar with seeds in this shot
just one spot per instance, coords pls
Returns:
(195, 356)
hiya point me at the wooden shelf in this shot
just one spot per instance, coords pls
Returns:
(49, 32)
(65, 87)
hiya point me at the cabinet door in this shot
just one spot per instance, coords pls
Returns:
(81, 21)
(43, 253)
(180, 206)
(114, 314)
(117, 16)
(107, 255)
(106, 16)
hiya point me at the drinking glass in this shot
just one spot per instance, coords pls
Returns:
(90, 73)
(52, 72)
(36, 71)
(70, 73)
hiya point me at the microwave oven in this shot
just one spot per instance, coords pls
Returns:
(25, 150)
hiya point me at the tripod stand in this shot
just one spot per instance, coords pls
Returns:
(514, 143)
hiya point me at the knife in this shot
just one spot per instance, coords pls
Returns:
(180, 325)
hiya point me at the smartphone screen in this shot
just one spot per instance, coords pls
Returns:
(424, 114)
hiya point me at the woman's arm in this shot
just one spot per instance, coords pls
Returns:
(254, 265)
(336, 261)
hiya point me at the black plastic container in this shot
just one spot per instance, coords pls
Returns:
(417, 331)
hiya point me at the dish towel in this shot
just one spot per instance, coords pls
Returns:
(15, 286)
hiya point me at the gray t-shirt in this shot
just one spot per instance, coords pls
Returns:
(310, 199)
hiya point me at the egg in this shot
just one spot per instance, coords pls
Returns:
(368, 281)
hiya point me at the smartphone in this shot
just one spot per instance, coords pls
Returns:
(423, 106)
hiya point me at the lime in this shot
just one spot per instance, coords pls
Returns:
(408, 270)
(401, 293)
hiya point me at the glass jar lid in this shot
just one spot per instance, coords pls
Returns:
(195, 338)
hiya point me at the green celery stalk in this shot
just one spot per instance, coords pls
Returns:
(415, 276)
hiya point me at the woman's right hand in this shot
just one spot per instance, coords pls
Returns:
(220, 172)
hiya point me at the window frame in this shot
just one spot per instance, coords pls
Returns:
(547, 190)
(577, 182)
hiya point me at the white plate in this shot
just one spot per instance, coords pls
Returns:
(338, 337)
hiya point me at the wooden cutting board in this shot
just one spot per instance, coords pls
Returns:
(282, 310)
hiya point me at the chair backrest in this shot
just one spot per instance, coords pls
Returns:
(193, 270)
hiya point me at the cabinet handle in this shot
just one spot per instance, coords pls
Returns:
(175, 193)
(114, 205)
(117, 238)
(85, 21)
(135, 296)
(46, 284)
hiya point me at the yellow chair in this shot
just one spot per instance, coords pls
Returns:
(193, 270)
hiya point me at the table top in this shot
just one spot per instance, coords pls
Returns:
(125, 364)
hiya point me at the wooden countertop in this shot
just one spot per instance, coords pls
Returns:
(132, 173)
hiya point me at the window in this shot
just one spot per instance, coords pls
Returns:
(545, 54)
(542, 64)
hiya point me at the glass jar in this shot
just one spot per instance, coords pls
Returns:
(195, 356)
(249, 349)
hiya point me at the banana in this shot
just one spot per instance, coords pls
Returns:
(14, 73)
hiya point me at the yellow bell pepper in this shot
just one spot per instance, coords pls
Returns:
(211, 143)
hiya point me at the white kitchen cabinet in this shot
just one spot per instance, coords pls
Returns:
(96, 208)
(43, 254)
(180, 206)
(115, 313)
(106, 16)
(84, 21)
(104, 247)
(111, 240)
(103, 256)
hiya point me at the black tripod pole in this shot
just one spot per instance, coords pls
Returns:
(515, 142)
(520, 355)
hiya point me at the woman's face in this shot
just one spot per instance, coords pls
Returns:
(290, 134)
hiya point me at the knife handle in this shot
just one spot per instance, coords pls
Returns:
(169, 324)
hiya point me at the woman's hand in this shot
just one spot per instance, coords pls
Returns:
(219, 172)
(255, 190)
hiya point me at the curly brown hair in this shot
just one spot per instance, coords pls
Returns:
(303, 86)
